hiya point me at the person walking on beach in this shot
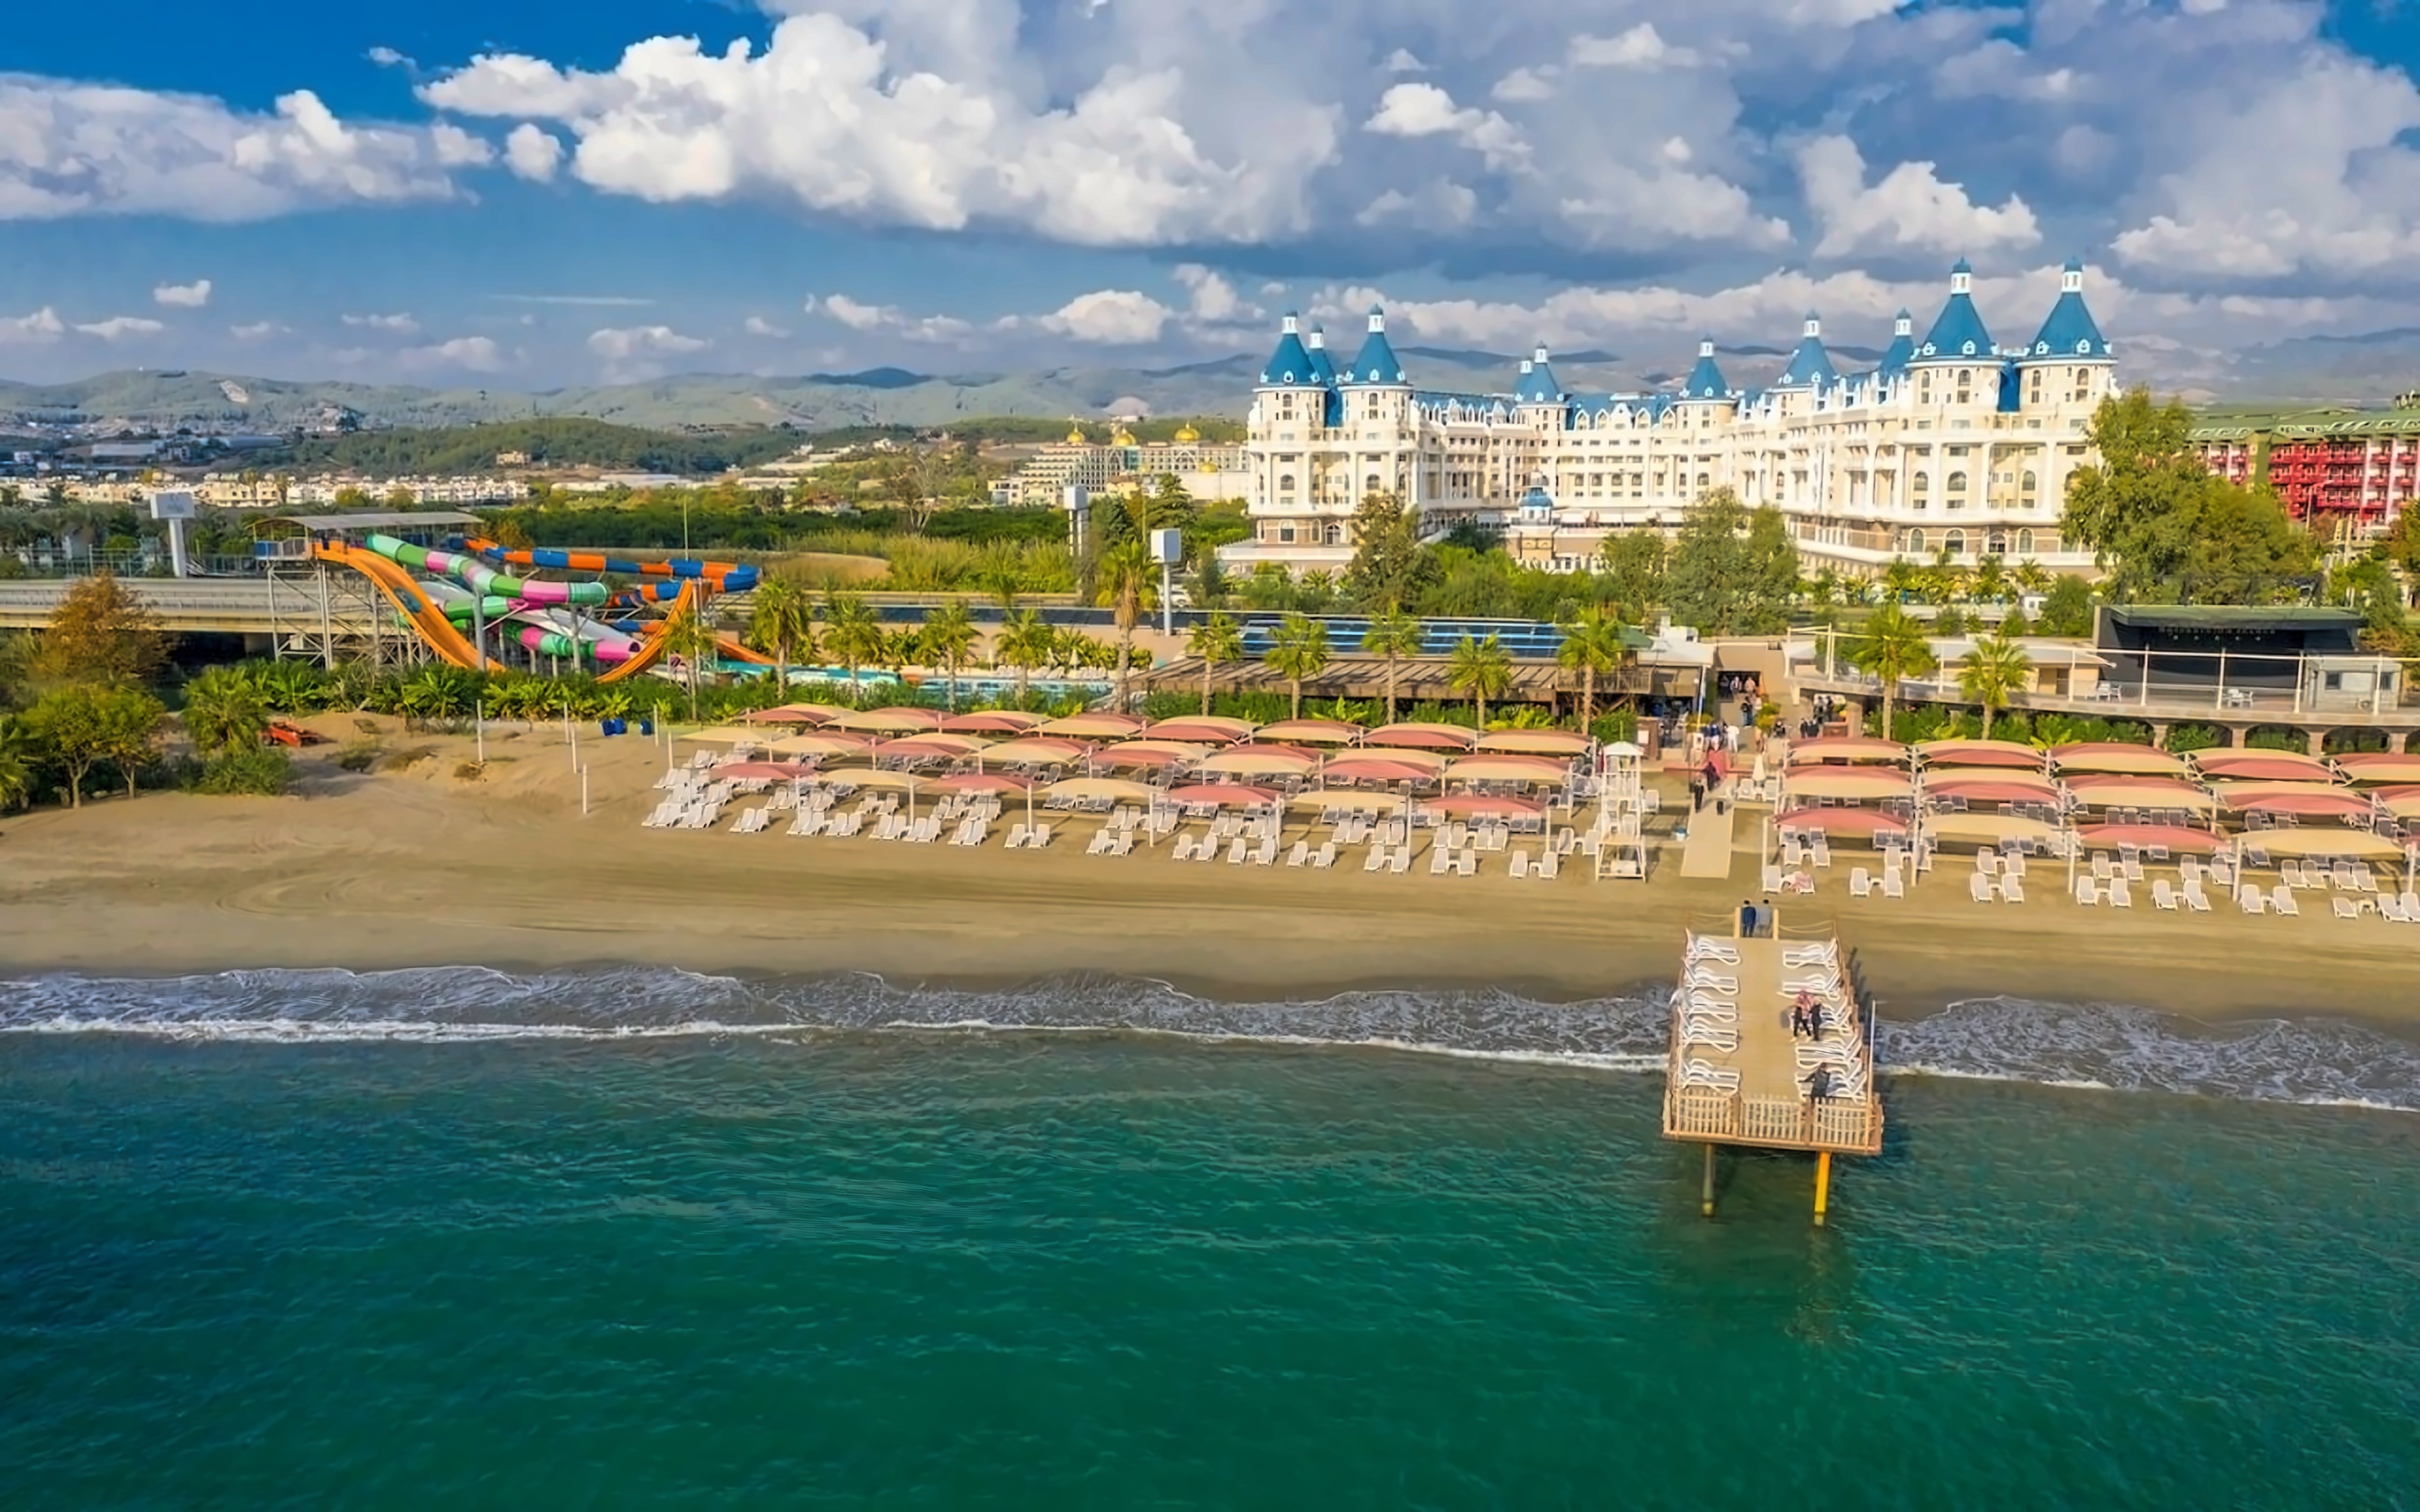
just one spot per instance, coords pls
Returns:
(1747, 920)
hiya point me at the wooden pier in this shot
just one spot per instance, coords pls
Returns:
(1742, 1072)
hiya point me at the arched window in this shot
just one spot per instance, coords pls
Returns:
(1705, 480)
(1955, 543)
(1916, 542)
(1336, 535)
(2025, 482)
(1919, 483)
(2025, 543)
(1370, 485)
(1285, 482)
(1958, 482)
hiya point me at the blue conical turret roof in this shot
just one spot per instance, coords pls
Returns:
(1958, 333)
(1811, 365)
(1321, 363)
(1538, 385)
(1705, 381)
(2071, 331)
(1901, 349)
(1376, 362)
(1289, 366)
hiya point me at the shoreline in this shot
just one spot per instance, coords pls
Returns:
(422, 869)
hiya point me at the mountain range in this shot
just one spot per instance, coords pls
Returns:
(2364, 369)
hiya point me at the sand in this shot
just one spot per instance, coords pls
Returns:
(421, 867)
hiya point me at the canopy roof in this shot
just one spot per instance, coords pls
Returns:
(1362, 799)
(2268, 765)
(887, 721)
(1501, 768)
(2310, 802)
(1186, 750)
(932, 742)
(1359, 768)
(1989, 828)
(991, 722)
(764, 771)
(1115, 788)
(1978, 753)
(1427, 760)
(1845, 748)
(978, 782)
(1215, 728)
(1537, 742)
(1980, 790)
(1225, 796)
(1090, 726)
(821, 743)
(2403, 803)
(1314, 731)
(1145, 754)
(2175, 837)
(1422, 737)
(727, 735)
(1034, 751)
(793, 714)
(2380, 767)
(2117, 756)
(1468, 805)
(2140, 793)
(1841, 822)
(1254, 760)
(865, 777)
(2353, 844)
(1816, 782)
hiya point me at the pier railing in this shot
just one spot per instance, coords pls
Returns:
(1829, 1123)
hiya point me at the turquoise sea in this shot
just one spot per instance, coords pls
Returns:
(623, 1239)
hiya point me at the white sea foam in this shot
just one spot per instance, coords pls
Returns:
(2098, 1048)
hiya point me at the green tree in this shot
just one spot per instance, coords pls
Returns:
(690, 635)
(1770, 561)
(18, 750)
(1298, 651)
(1393, 636)
(1594, 645)
(223, 712)
(2163, 527)
(950, 638)
(1026, 640)
(853, 634)
(1708, 582)
(102, 633)
(1481, 669)
(1211, 587)
(1128, 586)
(1388, 566)
(80, 727)
(1217, 640)
(1892, 647)
(1633, 580)
(782, 626)
(2067, 609)
(1994, 671)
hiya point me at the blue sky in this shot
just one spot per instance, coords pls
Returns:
(516, 196)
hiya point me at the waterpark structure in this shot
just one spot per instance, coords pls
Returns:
(412, 587)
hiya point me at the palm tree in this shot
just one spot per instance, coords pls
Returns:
(782, 624)
(16, 763)
(1593, 643)
(1217, 640)
(852, 633)
(1901, 579)
(1482, 669)
(1991, 671)
(223, 712)
(949, 639)
(1393, 635)
(2033, 578)
(687, 636)
(1892, 647)
(1128, 586)
(1026, 642)
(1298, 650)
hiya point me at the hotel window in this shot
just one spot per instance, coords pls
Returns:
(1285, 534)
(1916, 541)
(2025, 543)
(1955, 543)
(1957, 482)
(1919, 483)
(1371, 484)
(1285, 482)
(2025, 481)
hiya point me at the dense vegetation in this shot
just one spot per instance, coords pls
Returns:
(554, 442)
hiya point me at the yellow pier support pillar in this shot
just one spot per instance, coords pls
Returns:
(1706, 1199)
(1823, 1183)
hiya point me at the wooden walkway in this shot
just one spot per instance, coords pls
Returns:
(1707, 852)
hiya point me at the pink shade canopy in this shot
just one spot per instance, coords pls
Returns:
(978, 782)
(1993, 792)
(1466, 805)
(2318, 803)
(1420, 737)
(991, 722)
(1846, 748)
(2266, 769)
(1374, 769)
(793, 714)
(2175, 837)
(1841, 822)
(1225, 795)
(764, 771)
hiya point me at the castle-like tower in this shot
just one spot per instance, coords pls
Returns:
(1952, 443)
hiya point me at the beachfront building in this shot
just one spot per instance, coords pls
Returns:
(1207, 470)
(1952, 441)
(2348, 475)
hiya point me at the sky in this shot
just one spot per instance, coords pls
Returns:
(510, 194)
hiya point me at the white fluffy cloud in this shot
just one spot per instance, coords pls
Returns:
(1425, 110)
(69, 148)
(399, 324)
(1909, 208)
(632, 353)
(1641, 47)
(472, 354)
(861, 317)
(121, 328)
(756, 325)
(257, 331)
(532, 153)
(192, 296)
(39, 329)
(1109, 317)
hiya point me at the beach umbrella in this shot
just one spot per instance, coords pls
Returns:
(2317, 842)
(1974, 790)
(1360, 768)
(1472, 805)
(1255, 760)
(1311, 731)
(729, 735)
(1033, 751)
(1846, 748)
(2380, 767)
(806, 714)
(932, 742)
(1360, 799)
(2271, 765)
(1536, 742)
(1845, 783)
(1224, 796)
(990, 722)
(2117, 757)
(1209, 730)
(2403, 803)
(1117, 758)
(1840, 822)
(1184, 751)
(1431, 761)
(1536, 769)
(2310, 802)
(1420, 735)
(1090, 727)
(1955, 752)
(825, 743)
(1993, 828)
(2143, 836)
(894, 721)
(997, 782)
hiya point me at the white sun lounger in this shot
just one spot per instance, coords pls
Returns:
(2283, 902)
(1979, 886)
(2195, 899)
(1520, 865)
(2088, 892)
(2163, 896)
(2252, 899)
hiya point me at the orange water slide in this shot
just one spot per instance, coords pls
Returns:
(724, 577)
(418, 609)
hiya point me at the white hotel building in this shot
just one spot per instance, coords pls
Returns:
(1950, 443)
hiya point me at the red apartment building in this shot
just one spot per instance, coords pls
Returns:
(2349, 469)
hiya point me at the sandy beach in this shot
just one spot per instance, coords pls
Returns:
(422, 867)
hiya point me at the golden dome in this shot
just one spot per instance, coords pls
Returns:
(1186, 436)
(1075, 434)
(1121, 436)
